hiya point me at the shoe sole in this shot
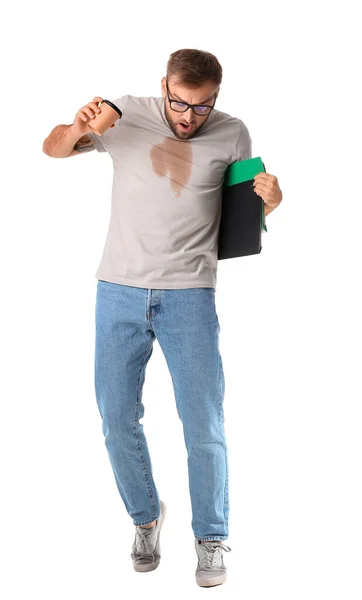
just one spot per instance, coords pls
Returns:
(210, 582)
(152, 566)
(145, 568)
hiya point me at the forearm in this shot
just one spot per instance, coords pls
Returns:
(60, 142)
(268, 209)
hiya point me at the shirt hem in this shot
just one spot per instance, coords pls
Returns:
(164, 285)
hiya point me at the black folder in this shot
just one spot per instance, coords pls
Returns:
(242, 211)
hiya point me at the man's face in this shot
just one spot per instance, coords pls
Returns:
(204, 94)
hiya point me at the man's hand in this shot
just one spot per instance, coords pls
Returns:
(267, 187)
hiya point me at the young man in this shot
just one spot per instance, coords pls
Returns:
(157, 279)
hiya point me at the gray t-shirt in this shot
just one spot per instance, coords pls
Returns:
(166, 196)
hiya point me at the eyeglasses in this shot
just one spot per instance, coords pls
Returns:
(199, 109)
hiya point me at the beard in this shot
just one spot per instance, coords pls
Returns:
(182, 135)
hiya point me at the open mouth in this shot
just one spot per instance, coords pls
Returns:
(185, 127)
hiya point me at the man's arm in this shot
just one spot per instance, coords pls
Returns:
(267, 208)
(65, 141)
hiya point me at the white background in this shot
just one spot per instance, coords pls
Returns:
(290, 317)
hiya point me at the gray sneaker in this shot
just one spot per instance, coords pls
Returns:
(146, 550)
(210, 569)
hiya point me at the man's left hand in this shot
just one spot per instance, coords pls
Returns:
(267, 186)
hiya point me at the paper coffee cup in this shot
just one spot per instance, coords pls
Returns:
(106, 118)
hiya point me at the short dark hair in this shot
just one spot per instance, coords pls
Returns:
(194, 67)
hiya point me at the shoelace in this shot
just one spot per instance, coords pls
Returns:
(143, 542)
(210, 551)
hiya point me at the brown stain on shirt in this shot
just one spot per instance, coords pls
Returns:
(173, 157)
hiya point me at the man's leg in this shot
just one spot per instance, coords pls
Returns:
(187, 329)
(124, 344)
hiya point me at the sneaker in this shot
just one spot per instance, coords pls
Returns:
(210, 569)
(146, 550)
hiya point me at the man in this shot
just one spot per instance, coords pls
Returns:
(157, 279)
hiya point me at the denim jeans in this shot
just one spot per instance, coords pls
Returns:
(185, 323)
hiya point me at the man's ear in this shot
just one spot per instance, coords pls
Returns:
(163, 86)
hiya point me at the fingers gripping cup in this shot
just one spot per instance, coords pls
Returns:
(106, 118)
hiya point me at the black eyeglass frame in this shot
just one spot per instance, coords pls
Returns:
(189, 105)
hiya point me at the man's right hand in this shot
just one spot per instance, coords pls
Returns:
(85, 115)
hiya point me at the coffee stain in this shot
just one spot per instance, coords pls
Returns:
(173, 157)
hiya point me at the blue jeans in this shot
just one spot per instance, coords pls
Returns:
(185, 323)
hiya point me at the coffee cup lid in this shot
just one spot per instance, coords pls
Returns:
(113, 106)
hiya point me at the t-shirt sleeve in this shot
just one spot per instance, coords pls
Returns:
(243, 146)
(106, 141)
